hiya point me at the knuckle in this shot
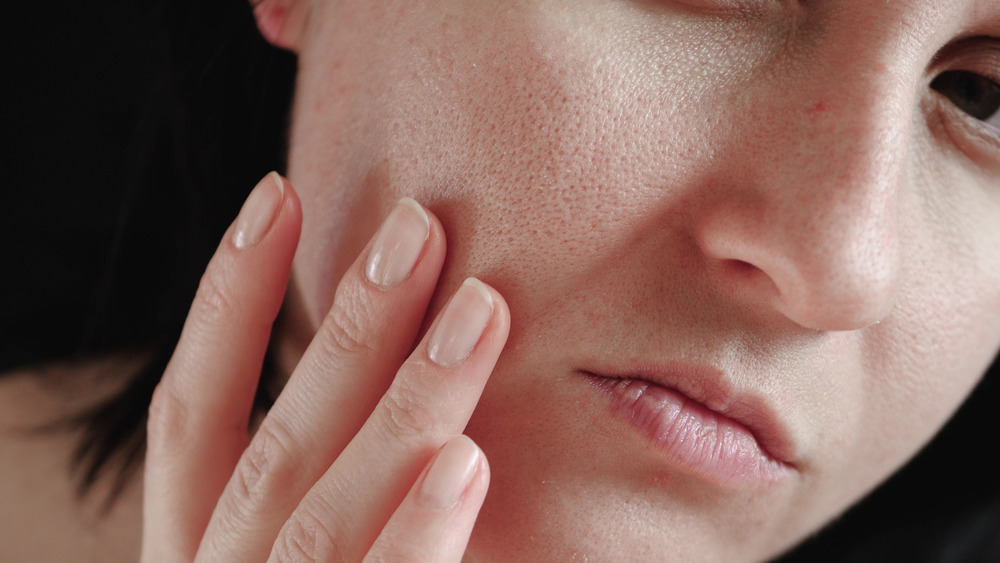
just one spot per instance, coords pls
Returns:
(305, 539)
(212, 299)
(409, 410)
(347, 327)
(168, 418)
(399, 548)
(265, 469)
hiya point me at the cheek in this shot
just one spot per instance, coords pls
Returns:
(545, 150)
(541, 145)
(958, 278)
(944, 331)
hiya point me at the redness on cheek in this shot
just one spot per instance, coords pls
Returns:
(658, 480)
(817, 110)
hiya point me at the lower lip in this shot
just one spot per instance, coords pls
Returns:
(691, 437)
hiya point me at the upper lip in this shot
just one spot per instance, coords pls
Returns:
(709, 387)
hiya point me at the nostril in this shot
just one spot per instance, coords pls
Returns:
(746, 279)
(831, 272)
(740, 271)
(741, 267)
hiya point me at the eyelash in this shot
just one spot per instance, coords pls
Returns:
(973, 85)
(971, 64)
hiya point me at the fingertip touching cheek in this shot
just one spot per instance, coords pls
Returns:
(751, 212)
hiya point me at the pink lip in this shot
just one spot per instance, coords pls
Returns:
(737, 440)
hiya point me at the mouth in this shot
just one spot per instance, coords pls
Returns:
(736, 441)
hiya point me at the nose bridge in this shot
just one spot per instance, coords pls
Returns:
(840, 157)
(825, 162)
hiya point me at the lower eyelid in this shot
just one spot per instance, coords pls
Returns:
(994, 122)
(979, 142)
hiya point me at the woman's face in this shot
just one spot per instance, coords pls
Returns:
(760, 205)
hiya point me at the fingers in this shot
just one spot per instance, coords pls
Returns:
(199, 413)
(320, 474)
(435, 520)
(429, 402)
(377, 312)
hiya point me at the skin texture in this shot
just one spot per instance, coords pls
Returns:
(768, 189)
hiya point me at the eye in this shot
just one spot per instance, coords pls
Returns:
(972, 93)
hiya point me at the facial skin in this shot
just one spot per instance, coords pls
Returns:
(770, 191)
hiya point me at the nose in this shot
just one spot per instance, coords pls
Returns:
(806, 219)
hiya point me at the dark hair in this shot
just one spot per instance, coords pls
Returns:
(137, 137)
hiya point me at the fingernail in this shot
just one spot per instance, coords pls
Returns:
(450, 474)
(461, 325)
(398, 244)
(259, 211)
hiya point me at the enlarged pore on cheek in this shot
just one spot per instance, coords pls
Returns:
(511, 124)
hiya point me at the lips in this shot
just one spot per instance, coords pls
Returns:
(739, 441)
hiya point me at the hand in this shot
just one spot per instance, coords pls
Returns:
(362, 455)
